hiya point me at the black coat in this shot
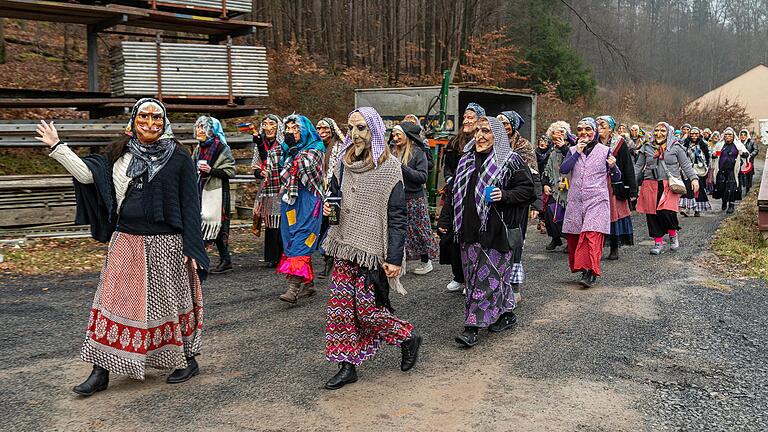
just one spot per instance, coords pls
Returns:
(171, 197)
(627, 188)
(517, 195)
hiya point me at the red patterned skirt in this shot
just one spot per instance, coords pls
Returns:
(148, 308)
(355, 326)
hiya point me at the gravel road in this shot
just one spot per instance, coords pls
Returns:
(662, 343)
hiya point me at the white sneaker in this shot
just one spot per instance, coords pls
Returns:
(424, 268)
(454, 286)
(657, 249)
(674, 243)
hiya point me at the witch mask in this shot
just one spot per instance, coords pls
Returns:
(360, 133)
(149, 122)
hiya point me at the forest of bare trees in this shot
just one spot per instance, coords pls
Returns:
(692, 44)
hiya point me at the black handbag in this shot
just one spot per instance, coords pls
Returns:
(514, 235)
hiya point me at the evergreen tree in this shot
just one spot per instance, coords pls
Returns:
(548, 54)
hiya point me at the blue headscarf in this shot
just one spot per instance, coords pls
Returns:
(310, 139)
(608, 119)
(591, 122)
(480, 111)
(212, 128)
(515, 119)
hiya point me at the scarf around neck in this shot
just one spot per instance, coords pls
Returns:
(153, 157)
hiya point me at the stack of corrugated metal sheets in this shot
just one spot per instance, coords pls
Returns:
(187, 70)
(244, 6)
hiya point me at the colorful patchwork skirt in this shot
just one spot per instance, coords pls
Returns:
(489, 275)
(148, 308)
(419, 237)
(355, 326)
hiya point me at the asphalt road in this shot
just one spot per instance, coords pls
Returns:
(662, 343)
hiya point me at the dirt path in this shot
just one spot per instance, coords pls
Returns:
(663, 343)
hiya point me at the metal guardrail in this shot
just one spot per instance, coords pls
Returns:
(21, 134)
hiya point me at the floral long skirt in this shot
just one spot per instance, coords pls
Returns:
(419, 237)
(355, 325)
(148, 308)
(489, 275)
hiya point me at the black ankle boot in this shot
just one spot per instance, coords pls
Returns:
(181, 375)
(587, 279)
(96, 382)
(731, 208)
(468, 337)
(346, 375)
(614, 254)
(506, 321)
(410, 352)
(554, 244)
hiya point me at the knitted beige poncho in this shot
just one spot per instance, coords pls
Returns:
(361, 235)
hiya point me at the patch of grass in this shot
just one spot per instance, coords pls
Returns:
(28, 161)
(49, 256)
(740, 243)
(77, 256)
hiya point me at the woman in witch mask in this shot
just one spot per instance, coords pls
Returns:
(142, 197)
(215, 166)
(267, 153)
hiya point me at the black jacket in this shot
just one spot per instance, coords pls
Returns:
(415, 174)
(628, 186)
(171, 197)
(517, 195)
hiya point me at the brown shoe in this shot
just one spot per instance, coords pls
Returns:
(291, 295)
(307, 290)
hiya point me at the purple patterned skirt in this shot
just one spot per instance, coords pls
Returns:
(419, 237)
(489, 275)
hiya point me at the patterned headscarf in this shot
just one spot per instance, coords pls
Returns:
(335, 130)
(480, 111)
(212, 128)
(514, 119)
(149, 158)
(310, 139)
(610, 120)
(493, 172)
(280, 135)
(671, 139)
(376, 125)
(589, 121)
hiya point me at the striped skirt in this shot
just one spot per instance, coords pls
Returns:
(148, 308)
(355, 325)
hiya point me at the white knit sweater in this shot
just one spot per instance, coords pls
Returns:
(79, 170)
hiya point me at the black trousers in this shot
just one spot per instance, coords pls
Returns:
(273, 245)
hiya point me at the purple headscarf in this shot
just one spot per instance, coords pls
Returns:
(376, 125)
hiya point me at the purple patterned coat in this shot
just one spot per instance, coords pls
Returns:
(589, 208)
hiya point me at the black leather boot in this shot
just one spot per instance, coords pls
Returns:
(614, 254)
(554, 244)
(468, 337)
(181, 375)
(731, 208)
(410, 351)
(506, 321)
(346, 375)
(96, 382)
